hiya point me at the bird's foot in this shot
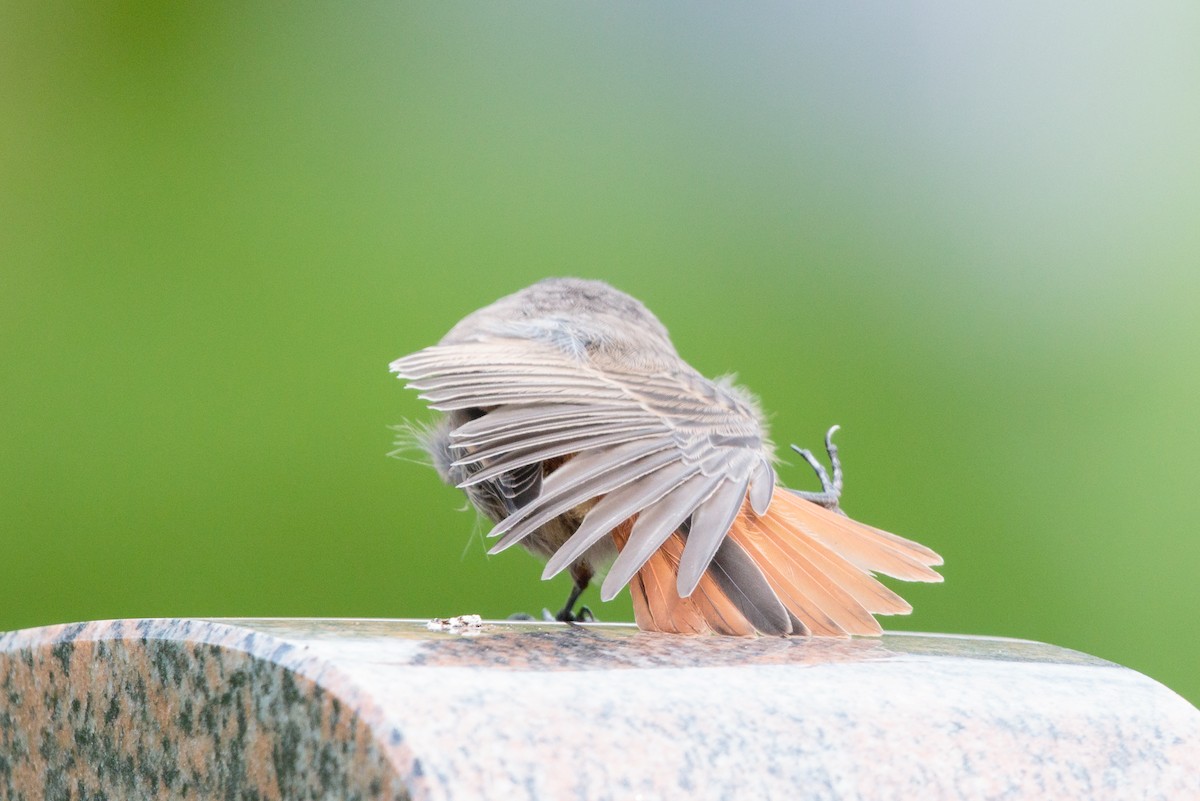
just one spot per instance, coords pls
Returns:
(831, 489)
(565, 615)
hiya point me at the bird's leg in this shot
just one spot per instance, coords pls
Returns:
(567, 613)
(831, 490)
(582, 574)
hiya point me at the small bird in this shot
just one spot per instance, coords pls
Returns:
(572, 423)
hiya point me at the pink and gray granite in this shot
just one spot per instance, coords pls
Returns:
(364, 709)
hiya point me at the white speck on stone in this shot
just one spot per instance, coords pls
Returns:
(463, 624)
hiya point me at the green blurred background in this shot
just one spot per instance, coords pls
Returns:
(971, 236)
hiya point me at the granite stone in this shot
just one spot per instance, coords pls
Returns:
(395, 709)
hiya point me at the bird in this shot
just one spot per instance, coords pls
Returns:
(570, 421)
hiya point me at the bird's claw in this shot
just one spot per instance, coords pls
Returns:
(584, 615)
(831, 489)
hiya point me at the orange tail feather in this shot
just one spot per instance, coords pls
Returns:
(820, 565)
(658, 607)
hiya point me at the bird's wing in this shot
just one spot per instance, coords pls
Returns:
(673, 450)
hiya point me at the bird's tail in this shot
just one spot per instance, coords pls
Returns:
(798, 569)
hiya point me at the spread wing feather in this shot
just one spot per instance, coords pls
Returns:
(617, 507)
(516, 421)
(546, 509)
(520, 486)
(663, 447)
(709, 527)
(653, 526)
(514, 445)
(536, 455)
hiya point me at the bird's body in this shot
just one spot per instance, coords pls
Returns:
(571, 422)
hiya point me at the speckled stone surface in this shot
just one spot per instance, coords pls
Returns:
(270, 709)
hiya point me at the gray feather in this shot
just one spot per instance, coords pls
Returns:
(540, 454)
(578, 471)
(594, 488)
(568, 436)
(652, 528)
(483, 393)
(476, 356)
(614, 509)
(520, 487)
(510, 421)
(460, 379)
(747, 588)
(762, 486)
(547, 399)
(710, 524)
(518, 398)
